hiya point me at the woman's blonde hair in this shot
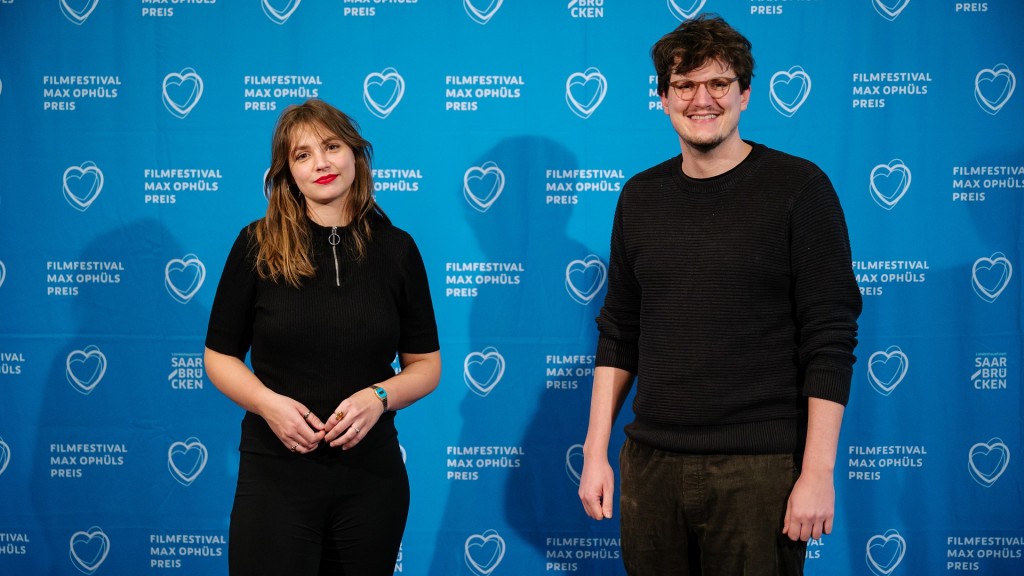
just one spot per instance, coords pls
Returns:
(283, 235)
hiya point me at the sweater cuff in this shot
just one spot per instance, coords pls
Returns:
(828, 384)
(617, 354)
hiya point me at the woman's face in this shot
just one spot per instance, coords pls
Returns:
(323, 167)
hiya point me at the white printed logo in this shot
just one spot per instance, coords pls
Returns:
(885, 552)
(85, 368)
(186, 460)
(382, 91)
(402, 448)
(82, 184)
(889, 182)
(684, 14)
(886, 369)
(584, 91)
(890, 9)
(481, 185)
(585, 278)
(484, 552)
(280, 16)
(574, 463)
(1, 86)
(990, 276)
(78, 16)
(5, 456)
(481, 16)
(182, 91)
(789, 89)
(993, 88)
(3, 272)
(987, 461)
(483, 370)
(88, 549)
(183, 277)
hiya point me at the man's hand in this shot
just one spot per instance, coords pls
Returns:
(811, 507)
(597, 487)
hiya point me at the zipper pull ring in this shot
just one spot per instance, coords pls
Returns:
(334, 239)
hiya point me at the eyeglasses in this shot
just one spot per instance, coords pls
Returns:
(717, 87)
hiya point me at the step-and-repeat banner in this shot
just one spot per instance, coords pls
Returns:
(134, 136)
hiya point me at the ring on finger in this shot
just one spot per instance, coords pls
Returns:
(306, 416)
(356, 429)
(294, 447)
(339, 416)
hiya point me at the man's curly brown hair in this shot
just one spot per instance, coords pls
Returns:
(696, 42)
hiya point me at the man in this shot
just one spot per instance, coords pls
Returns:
(731, 298)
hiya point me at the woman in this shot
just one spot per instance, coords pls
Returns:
(322, 293)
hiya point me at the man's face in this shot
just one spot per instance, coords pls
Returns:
(705, 121)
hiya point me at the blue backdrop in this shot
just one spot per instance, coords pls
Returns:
(135, 136)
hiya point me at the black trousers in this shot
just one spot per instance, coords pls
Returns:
(305, 515)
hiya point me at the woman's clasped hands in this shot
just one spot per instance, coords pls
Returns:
(302, 431)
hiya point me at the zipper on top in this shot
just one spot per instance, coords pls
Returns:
(334, 239)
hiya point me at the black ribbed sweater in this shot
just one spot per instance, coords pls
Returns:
(335, 335)
(732, 299)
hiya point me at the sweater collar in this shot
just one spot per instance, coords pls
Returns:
(317, 230)
(723, 182)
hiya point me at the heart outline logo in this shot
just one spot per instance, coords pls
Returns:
(474, 361)
(783, 78)
(988, 287)
(3, 272)
(83, 541)
(683, 14)
(178, 80)
(484, 16)
(186, 460)
(378, 80)
(5, 456)
(890, 543)
(574, 454)
(890, 13)
(581, 269)
(85, 368)
(481, 174)
(191, 269)
(982, 451)
(989, 77)
(578, 81)
(81, 202)
(885, 385)
(280, 16)
(78, 17)
(481, 543)
(882, 173)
